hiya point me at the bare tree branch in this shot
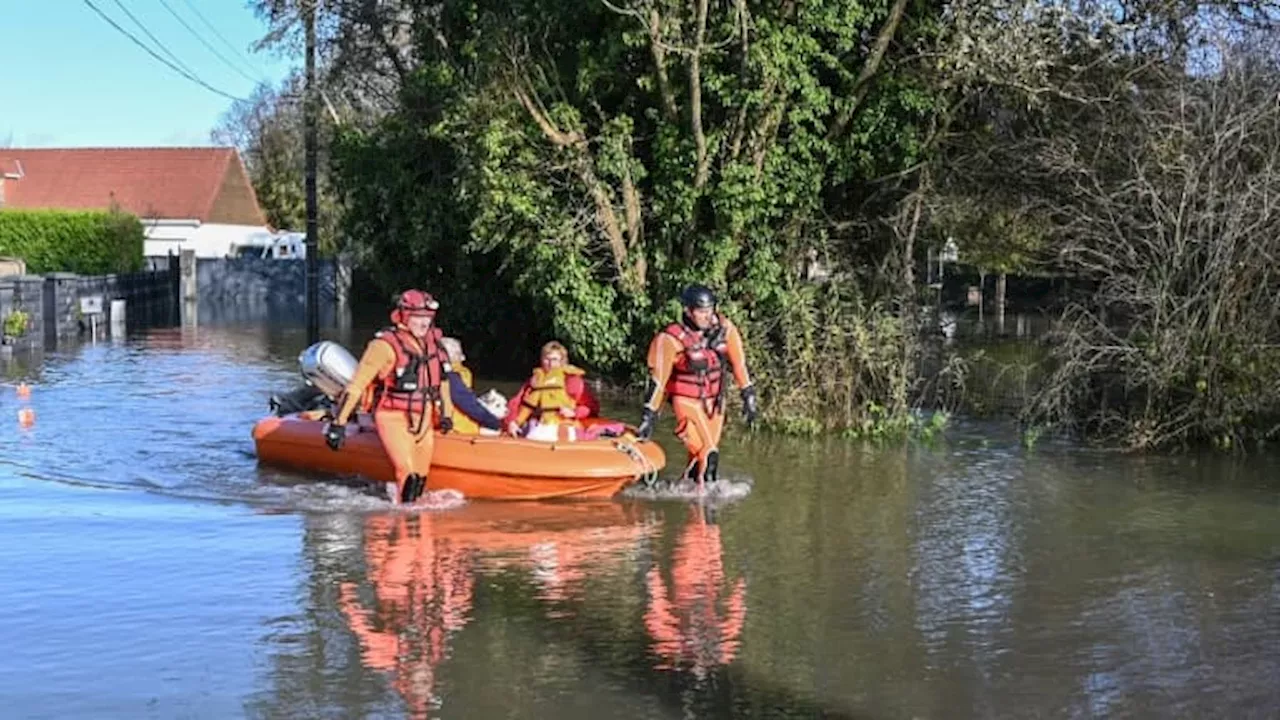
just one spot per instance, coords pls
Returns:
(659, 53)
(695, 96)
(870, 66)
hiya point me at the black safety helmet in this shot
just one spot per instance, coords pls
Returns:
(697, 296)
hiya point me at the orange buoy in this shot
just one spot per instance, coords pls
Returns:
(23, 390)
(26, 417)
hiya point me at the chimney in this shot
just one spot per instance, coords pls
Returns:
(10, 171)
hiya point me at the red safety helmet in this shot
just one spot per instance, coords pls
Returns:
(413, 302)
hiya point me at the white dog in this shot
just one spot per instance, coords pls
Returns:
(494, 402)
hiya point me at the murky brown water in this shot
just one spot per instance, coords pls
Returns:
(152, 569)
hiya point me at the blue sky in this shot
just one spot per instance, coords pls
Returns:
(69, 79)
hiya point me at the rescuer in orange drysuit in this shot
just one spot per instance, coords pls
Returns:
(405, 367)
(687, 362)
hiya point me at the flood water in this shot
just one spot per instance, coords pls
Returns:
(150, 568)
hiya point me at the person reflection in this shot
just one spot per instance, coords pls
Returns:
(691, 625)
(422, 588)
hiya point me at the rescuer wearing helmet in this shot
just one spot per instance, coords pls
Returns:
(687, 361)
(407, 367)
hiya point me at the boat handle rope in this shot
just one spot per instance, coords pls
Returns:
(649, 472)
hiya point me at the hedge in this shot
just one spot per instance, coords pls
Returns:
(88, 242)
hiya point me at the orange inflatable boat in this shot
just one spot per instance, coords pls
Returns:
(478, 466)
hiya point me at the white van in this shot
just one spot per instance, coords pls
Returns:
(274, 246)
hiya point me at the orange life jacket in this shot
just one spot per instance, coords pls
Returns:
(699, 369)
(415, 380)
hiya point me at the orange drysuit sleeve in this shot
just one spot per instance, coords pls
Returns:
(737, 354)
(379, 359)
(663, 351)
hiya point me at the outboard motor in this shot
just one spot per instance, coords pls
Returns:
(326, 367)
(299, 399)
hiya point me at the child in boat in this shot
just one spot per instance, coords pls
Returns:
(552, 404)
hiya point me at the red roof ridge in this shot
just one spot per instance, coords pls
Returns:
(217, 188)
(253, 192)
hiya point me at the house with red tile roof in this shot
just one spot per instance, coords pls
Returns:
(187, 198)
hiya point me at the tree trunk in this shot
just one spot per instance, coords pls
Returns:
(1000, 288)
(982, 293)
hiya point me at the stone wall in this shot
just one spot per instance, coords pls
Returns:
(25, 293)
(53, 301)
(237, 290)
(145, 293)
(260, 280)
(139, 290)
(231, 290)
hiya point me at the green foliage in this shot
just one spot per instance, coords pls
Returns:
(408, 229)
(992, 238)
(562, 169)
(80, 241)
(570, 171)
(15, 324)
(1171, 213)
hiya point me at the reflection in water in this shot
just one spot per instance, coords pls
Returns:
(966, 558)
(562, 560)
(422, 587)
(422, 570)
(968, 579)
(267, 344)
(689, 627)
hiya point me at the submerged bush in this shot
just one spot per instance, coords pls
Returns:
(1172, 208)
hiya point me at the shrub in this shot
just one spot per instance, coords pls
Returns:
(15, 324)
(89, 242)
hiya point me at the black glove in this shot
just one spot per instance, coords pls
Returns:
(334, 434)
(446, 424)
(647, 420)
(750, 406)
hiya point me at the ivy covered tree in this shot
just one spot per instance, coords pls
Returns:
(562, 169)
